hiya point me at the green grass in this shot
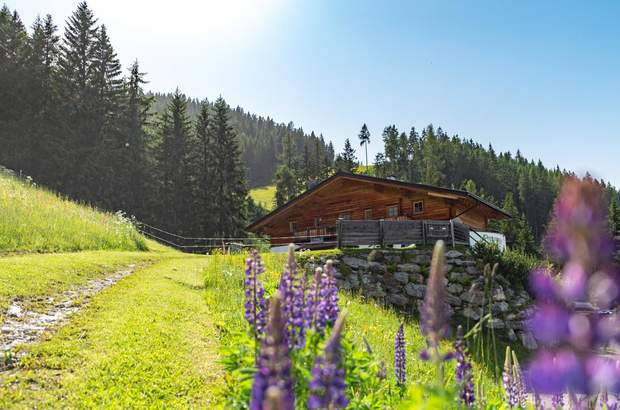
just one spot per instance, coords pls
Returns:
(146, 342)
(265, 196)
(34, 276)
(36, 220)
(224, 281)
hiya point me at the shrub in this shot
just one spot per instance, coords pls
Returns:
(514, 265)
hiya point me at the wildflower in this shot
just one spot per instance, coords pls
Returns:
(557, 400)
(327, 306)
(400, 357)
(312, 298)
(463, 375)
(255, 305)
(292, 291)
(519, 385)
(570, 340)
(510, 390)
(327, 386)
(435, 314)
(274, 365)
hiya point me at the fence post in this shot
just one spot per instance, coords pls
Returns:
(452, 231)
(381, 233)
(339, 233)
(423, 232)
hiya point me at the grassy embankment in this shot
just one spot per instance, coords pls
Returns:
(147, 341)
(36, 220)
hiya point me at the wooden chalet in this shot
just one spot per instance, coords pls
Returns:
(313, 216)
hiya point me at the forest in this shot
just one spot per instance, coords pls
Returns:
(74, 121)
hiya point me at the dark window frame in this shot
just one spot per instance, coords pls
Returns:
(414, 207)
(368, 213)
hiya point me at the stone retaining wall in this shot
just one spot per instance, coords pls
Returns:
(398, 277)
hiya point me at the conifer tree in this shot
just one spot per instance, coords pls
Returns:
(229, 183)
(203, 169)
(172, 156)
(346, 161)
(133, 174)
(364, 137)
(614, 216)
(287, 184)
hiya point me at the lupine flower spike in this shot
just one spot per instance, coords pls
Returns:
(570, 341)
(400, 357)
(519, 384)
(274, 365)
(463, 374)
(435, 312)
(327, 387)
(255, 305)
(312, 299)
(291, 289)
(327, 306)
(510, 390)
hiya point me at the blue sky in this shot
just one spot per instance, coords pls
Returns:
(540, 77)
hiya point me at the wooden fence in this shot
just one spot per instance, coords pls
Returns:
(386, 233)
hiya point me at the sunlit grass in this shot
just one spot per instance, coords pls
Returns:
(265, 196)
(146, 342)
(33, 219)
(366, 319)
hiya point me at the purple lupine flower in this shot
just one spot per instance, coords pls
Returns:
(327, 387)
(557, 400)
(510, 390)
(463, 373)
(312, 298)
(327, 307)
(435, 311)
(321, 305)
(274, 364)
(518, 382)
(570, 340)
(292, 291)
(400, 356)
(255, 305)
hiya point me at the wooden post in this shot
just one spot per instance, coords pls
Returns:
(339, 233)
(452, 230)
(423, 232)
(381, 233)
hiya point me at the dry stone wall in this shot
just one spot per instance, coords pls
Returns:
(398, 278)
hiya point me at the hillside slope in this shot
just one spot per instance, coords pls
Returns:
(37, 220)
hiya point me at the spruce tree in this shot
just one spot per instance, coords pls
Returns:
(79, 139)
(204, 159)
(286, 180)
(364, 137)
(229, 184)
(172, 156)
(614, 216)
(346, 161)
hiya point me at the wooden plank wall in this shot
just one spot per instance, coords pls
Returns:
(388, 233)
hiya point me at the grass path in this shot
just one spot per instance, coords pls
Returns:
(148, 342)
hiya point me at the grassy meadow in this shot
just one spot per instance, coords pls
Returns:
(366, 319)
(265, 196)
(33, 219)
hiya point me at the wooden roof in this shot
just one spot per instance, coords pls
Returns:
(495, 211)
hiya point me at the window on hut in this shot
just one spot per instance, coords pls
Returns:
(368, 213)
(345, 215)
(418, 207)
(293, 226)
(317, 222)
(392, 211)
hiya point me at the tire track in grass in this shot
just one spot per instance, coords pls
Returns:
(147, 342)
